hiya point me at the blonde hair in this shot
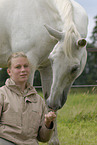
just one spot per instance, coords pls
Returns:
(15, 55)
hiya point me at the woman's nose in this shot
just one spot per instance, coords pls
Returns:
(22, 68)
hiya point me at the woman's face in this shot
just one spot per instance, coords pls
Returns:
(19, 70)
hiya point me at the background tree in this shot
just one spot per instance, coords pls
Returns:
(94, 33)
(3, 76)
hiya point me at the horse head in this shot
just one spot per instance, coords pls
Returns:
(68, 59)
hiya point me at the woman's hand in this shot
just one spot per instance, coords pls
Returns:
(49, 118)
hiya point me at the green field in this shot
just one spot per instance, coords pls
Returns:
(77, 120)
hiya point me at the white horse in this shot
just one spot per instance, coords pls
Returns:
(60, 57)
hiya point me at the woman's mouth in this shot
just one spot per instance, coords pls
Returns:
(23, 75)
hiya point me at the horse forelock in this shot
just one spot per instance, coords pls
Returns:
(71, 35)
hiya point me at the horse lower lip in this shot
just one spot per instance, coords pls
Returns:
(52, 105)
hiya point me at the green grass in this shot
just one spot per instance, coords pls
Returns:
(77, 120)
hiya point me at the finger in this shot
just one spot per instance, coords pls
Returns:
(50, 117)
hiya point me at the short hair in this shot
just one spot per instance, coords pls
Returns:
(15, 55)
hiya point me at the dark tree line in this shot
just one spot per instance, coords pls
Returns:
(89, 75)
(94, 33)
(3, 76)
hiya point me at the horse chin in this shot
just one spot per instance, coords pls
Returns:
(56, 105)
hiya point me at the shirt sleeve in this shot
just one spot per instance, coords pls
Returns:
(0, 110)
(1, 103)
(44, 133)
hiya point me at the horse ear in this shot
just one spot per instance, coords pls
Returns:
(82, 42)
(55, 33)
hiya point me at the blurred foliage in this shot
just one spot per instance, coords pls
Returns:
(89, 75)
(94, 33)
(3, 76)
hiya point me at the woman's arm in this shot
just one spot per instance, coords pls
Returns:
(1, 102)
(46, 126)
(0, 110)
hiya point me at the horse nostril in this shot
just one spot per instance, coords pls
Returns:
(50, 108)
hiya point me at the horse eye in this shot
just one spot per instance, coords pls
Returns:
(74, 69)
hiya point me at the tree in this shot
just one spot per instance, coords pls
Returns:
(3, 76)
(94, 33)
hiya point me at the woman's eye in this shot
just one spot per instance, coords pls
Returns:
(25, 66)
(18, 67)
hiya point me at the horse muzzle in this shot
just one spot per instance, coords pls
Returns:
(57, 102)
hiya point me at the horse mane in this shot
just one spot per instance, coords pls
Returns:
(65, 9)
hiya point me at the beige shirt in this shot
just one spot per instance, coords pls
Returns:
(22, 115)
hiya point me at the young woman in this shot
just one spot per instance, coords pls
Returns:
(24, 119)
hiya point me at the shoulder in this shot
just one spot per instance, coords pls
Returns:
(2, 89)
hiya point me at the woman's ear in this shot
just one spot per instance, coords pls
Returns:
(8, 71)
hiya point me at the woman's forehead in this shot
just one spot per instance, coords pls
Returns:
(19, 60)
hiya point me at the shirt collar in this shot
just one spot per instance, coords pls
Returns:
(29, 93)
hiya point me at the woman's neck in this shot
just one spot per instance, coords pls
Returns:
(22, 87)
